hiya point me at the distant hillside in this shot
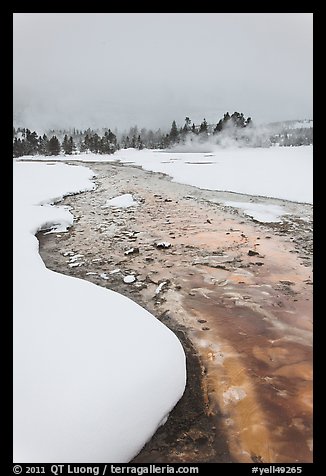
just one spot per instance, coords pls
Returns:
(290, 133)
(298, 124)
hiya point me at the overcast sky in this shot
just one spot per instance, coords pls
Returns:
(121, 69)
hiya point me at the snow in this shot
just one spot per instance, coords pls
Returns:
(305, 124)
(277, 172)
(82, 157)
(263, 212)
(159, 287)
(94, 373)
(131, 250)
(163, 244)
(73, 265)
(129, 279)
(122, 201)
(75, 258)
(115, 271)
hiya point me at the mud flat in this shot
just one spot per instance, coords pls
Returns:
(237, 292)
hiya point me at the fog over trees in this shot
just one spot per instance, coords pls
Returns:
(231, 130)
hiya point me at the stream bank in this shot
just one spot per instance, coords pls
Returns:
(237, 292)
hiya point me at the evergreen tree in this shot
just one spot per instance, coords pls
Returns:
(94, 142)
(140, 144)
(82, 146)
(112, 138)
(238, 119)
(65, 145)
(43, 145)
(72, 145)
(54, 146)
(219, 127)
(165, 141)
(108, 144)
(173, 136)
(186, 127)
(226, 117)
(203, 127)
(87, 142)
(105, 144)
(123, 142)
(18, 147)
(133, 142)
(31, 142)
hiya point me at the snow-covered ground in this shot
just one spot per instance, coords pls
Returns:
(94, 373)
(307, 123)
(277, 172)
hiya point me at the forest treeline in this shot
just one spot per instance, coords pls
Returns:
(235, 127)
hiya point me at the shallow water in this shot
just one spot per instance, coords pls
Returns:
(241, 289)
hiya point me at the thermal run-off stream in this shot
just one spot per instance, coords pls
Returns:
(241, 291)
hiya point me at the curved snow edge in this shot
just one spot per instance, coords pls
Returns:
(94, 373)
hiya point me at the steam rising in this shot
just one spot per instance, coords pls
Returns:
(297, 133)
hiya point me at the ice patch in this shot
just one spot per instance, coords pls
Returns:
(159, 287)
(122, 201)
(262, 212)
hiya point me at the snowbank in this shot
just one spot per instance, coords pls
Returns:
(94, 373)
(277, 172)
